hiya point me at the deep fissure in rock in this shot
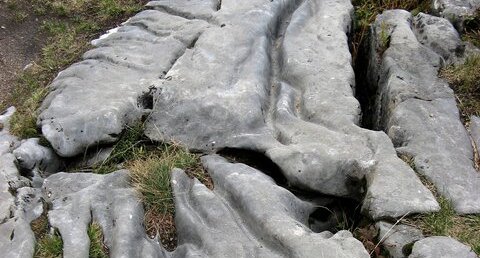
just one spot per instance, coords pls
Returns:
(332, 213)
(365, 91)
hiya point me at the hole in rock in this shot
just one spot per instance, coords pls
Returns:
(332, 213)
(145, 100)
(256, 160)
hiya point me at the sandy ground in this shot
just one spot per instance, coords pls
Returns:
(20, 43)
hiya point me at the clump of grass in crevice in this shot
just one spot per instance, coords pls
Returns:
(384, 38)
(464, 228)
(151, 175)
(48, 245)
(465, 81)
(97, 248)
(367, 10)
(131, 145)
(68, 27)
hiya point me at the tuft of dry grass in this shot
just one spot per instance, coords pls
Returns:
(367, 10)
(150, 174)
(465, 81)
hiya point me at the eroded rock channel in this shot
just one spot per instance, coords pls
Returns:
(292, 137)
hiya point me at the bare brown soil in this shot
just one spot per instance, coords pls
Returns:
(20, 44)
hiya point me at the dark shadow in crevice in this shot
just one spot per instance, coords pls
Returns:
(145, 100)
(365, 89)
(255, 160)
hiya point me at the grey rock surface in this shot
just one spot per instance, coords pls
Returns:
(282, 84)
(16, 238)
(457, 11)
(190, 9)
(79, 199)
(441, 247)
(8, 142)
(475, 130)
(418, 110)
(439, 35)
(16, 211)
(8, 172)
(92, 101)
(397, 238)
(273, 220)
(31, 155)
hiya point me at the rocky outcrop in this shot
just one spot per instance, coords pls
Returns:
(79, 199)
(272, 79)
(417, 109)
(92, 101)
(273, 83)
(456, 11)
(274, 221)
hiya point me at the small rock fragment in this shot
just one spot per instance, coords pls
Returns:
(441, 247)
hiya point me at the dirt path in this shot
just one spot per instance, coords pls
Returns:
(20, 43)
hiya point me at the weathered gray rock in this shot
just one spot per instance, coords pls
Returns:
(418, 110)
(439, 35)
(190, 9)
(19, 205)
(277, 79)
(8, 142)
(253, 217)
(7, 172)
(16, 238)
(31, 155)
(441, 247)
(396, 239)
(457, 11)
(475, 130)
(80, 198)
(92, 101)
(10, 181)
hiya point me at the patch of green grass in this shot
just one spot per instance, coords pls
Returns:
(69, 27)
(446, 222)
(97, 248)
(439, 223)
(465, 81)
(49, 246)
(131, 145)
(367, 10)
(151, 175)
